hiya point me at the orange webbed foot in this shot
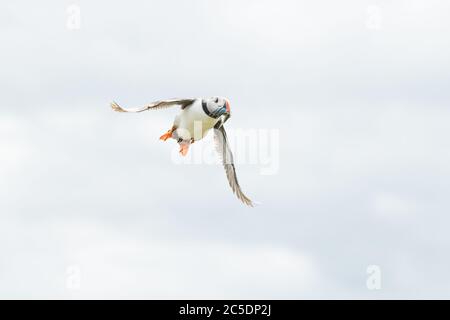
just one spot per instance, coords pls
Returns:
(184, 148)
(166, 136)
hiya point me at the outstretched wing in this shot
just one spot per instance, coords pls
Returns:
(162, 104)
(220, 136)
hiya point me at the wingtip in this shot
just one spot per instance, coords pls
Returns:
(116, 107)
(253, 204)
(248, 202)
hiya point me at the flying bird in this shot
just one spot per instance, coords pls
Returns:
(196, 118)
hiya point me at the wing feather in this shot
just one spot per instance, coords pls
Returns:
(161, 104)
(220, 136)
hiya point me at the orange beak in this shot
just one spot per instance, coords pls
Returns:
(227, 105)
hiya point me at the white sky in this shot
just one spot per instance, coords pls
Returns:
(357, 90)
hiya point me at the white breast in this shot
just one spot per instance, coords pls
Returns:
(193, 122)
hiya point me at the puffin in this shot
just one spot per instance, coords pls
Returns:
(196, 118)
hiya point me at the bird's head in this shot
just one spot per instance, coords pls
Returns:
(218, 106)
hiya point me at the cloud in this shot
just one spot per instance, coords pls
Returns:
(112, 264)
(362, 156)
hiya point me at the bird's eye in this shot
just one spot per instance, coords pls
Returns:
(217, 100)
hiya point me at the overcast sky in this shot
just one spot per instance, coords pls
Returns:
(353, 97)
